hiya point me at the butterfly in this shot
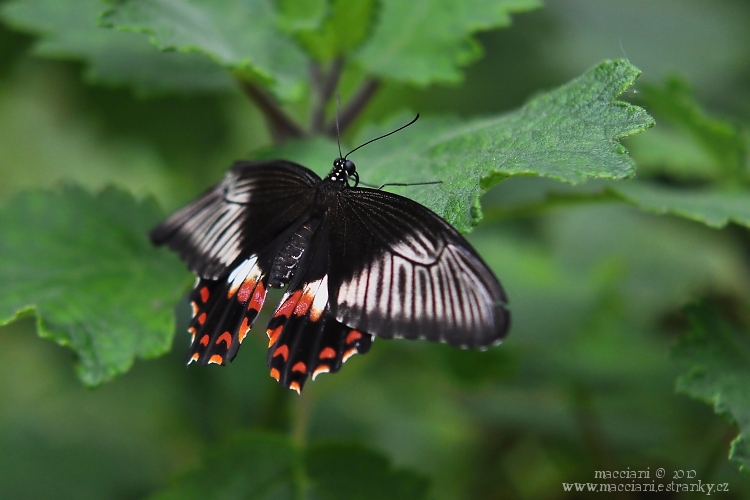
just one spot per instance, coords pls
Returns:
(358, 263)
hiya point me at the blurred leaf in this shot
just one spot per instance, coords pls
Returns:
(713, 207)
(296, 15)
(83, 265)
(671, 152)
(428, 40)
(69, 30)
(267, 466)
(719, 358)
(343, 30)
(346, 471)
(240, 36)
(675, 104)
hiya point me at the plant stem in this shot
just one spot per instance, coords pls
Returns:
(281, 126)
(323, 89)
(355, 106)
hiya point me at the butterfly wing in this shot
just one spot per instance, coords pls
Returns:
(239, 216)
(397, 270)
(232, 237)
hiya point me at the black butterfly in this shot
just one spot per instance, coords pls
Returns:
(359, 262)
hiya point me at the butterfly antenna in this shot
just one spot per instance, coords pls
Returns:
(338, 132)
(402, 127)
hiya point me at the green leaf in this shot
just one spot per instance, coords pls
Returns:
(424, 41)
(569, 134)
(343, 29)
(711, 206)
(266, 466)
(719, 358)
(240, 36)
(84, 266)
(69, 30)
(675, 104)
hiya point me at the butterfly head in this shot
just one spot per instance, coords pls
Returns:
(342, 170)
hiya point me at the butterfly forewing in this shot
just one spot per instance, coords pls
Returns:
(405, 272)
(239, 216)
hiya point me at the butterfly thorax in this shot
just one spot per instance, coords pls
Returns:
(331, 186)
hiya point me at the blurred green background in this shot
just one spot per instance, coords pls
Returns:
(584, 382)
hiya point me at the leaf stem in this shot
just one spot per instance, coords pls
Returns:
(281, 126)
(323, 90)
(355, 106)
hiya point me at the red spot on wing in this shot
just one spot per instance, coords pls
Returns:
(327, 353)
(275, 374)
(258, 297)
(225, 337)
(353, 336)
(244, 328)
(282, 351)
(300, 367)
(274, 334)
(245, 290)
(202, 318)
(303, 305)
(204, 294)
(289, 304)
(216, 359)
(204, 340)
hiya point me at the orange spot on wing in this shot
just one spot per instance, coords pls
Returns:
(275, 374)
(348, 354)
(191, 330)
(216, 359)
(204, 294)
(225, 337)
(295, 387)
(327, 353)
(353, 336)
(282, 351)
(204, 340)
(319, 370)
(202, 318)
(300, 367)
(245, 290)
(194, 357)
(244, 328)
(258, 297)
(195, 308)
(274, 334)
(289, 304)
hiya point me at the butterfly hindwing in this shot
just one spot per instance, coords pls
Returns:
(239, 216)
(403, 272)
(304, 338)
(224, 310)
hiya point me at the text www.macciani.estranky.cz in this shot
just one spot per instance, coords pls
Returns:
(641, 481)
(653, 487)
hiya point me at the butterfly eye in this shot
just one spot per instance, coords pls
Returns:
(349, 167)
